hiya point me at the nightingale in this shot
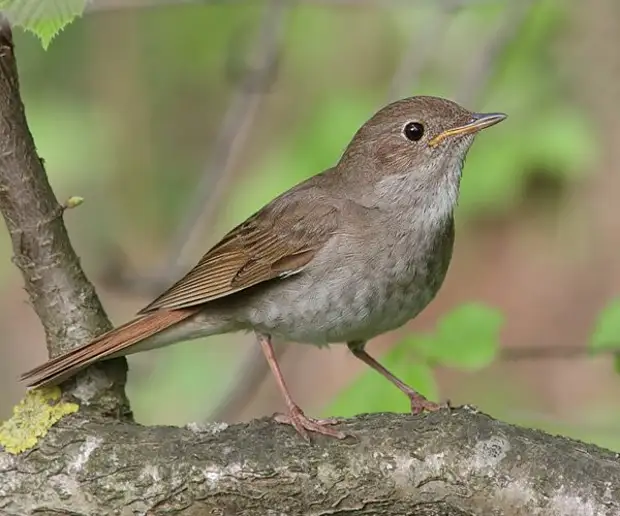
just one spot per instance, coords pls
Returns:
(349, 254)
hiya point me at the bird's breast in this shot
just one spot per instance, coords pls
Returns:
(356, 289)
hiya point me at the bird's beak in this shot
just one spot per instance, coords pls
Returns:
(477, 122)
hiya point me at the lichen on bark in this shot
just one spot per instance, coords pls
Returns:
(32, 418)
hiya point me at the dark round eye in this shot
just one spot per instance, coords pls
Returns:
(413, 131)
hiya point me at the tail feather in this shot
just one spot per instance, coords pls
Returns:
(62, 367)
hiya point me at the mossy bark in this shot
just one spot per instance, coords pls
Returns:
(444, 463)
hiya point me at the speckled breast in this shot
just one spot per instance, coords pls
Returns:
(357, 300)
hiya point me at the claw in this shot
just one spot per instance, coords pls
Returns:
(419, 404)
(302, 423)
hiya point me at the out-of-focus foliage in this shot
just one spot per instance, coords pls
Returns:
(467, 338)
(44, 18)
(544, 134)
(606, 334)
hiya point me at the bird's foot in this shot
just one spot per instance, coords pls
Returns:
(420, 404)
(302, 423)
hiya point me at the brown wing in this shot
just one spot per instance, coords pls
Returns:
(278, 241)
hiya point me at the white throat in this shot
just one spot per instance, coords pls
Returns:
(432, 205)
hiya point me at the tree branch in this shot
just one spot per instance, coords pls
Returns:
(483, 65)
(58, 289)
(535, 353)
(446, 463)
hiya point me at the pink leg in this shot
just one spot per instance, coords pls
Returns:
(418, 402)
(295, 417)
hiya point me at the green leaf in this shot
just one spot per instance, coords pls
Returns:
(467, 338)
(371, 392)
(44, 18)
(607, 330)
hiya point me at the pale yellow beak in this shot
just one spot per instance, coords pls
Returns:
(478, 122)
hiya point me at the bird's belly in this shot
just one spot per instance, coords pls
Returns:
(341, 306)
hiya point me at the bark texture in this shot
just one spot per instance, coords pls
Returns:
(447, 463)
(59, 291)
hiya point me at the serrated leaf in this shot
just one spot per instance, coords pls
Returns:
(371, 392)
(466, 338)
(44, 18)
(607, 330)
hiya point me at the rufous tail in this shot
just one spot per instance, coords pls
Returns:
(64, 366)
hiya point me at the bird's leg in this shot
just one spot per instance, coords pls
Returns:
(295, 417)
(418, 402)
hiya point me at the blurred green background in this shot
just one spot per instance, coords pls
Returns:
(176, 121)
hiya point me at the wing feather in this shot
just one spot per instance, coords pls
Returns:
(278, 241)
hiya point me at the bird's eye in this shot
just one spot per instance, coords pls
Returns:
(413, 131)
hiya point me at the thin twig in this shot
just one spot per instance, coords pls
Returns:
(419, 51)
(215, 179)
(480, 72)
(550, 353)
(232, 137)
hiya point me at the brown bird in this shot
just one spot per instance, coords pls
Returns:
(349, 254)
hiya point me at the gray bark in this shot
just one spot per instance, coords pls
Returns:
(59, 291)
(447, 463)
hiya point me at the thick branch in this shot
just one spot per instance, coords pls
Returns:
(60, 293)
(445, 463)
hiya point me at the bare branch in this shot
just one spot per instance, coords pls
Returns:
(449, 462)
(545, 353)
(480, 72)
(420, 50)
(248, 376)
(60, 293)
